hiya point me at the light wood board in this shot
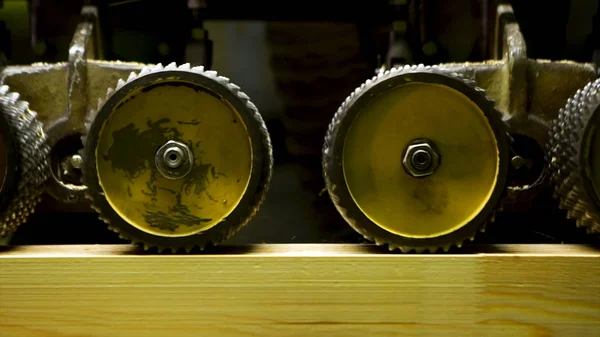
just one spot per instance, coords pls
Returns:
(300, 290)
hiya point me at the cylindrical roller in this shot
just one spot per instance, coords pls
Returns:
(416, 159)
(176, 158)
(23, 161)
(574, 157)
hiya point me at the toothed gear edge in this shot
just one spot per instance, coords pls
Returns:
(265, 174)
(32, 157)
(564, 157)
(329, 161)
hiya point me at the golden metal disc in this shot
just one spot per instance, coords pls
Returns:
(144, 120)
(423, 207)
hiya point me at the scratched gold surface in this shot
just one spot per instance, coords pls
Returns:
(146, 119)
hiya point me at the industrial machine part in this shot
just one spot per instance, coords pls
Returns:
(574, 157)
(23, 161)
(528, 95)
(172, 157)
(176, 157)
(418, 158)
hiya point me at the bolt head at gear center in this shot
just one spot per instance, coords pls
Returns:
(421, 158)
(174, 160)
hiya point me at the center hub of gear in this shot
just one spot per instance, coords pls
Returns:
(421, 158)
(174, 160)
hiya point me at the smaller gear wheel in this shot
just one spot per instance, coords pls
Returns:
(24, 164)
(417, 159)
(176, 158)
(574, 157)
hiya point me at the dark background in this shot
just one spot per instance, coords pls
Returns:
(298, 61)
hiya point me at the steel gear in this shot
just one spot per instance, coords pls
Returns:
(574, 157)
(24, 161)
(417, 159)
(176, 158)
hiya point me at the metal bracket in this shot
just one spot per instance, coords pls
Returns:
(84, 45)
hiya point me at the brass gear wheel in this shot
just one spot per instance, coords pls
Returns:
(23, 161)
(417, 159)
(574, 157)
(176, 158)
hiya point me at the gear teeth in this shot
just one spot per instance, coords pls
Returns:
(120, 84)
(32, 159)
(483, 227)
(563, 154)
(266, 144)
(334, 125)
(145, 70)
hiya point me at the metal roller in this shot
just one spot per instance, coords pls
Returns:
(24, 161)
(176, 158)
(574, 157)
(416, 159)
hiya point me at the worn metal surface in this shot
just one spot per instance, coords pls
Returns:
(218, 196)
(45, 86)
(528, 92)
(548, 86)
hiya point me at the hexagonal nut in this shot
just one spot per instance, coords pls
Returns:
(421, 158)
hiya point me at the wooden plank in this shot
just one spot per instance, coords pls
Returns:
(300, 290)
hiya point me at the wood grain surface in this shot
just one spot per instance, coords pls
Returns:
(300, 290)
